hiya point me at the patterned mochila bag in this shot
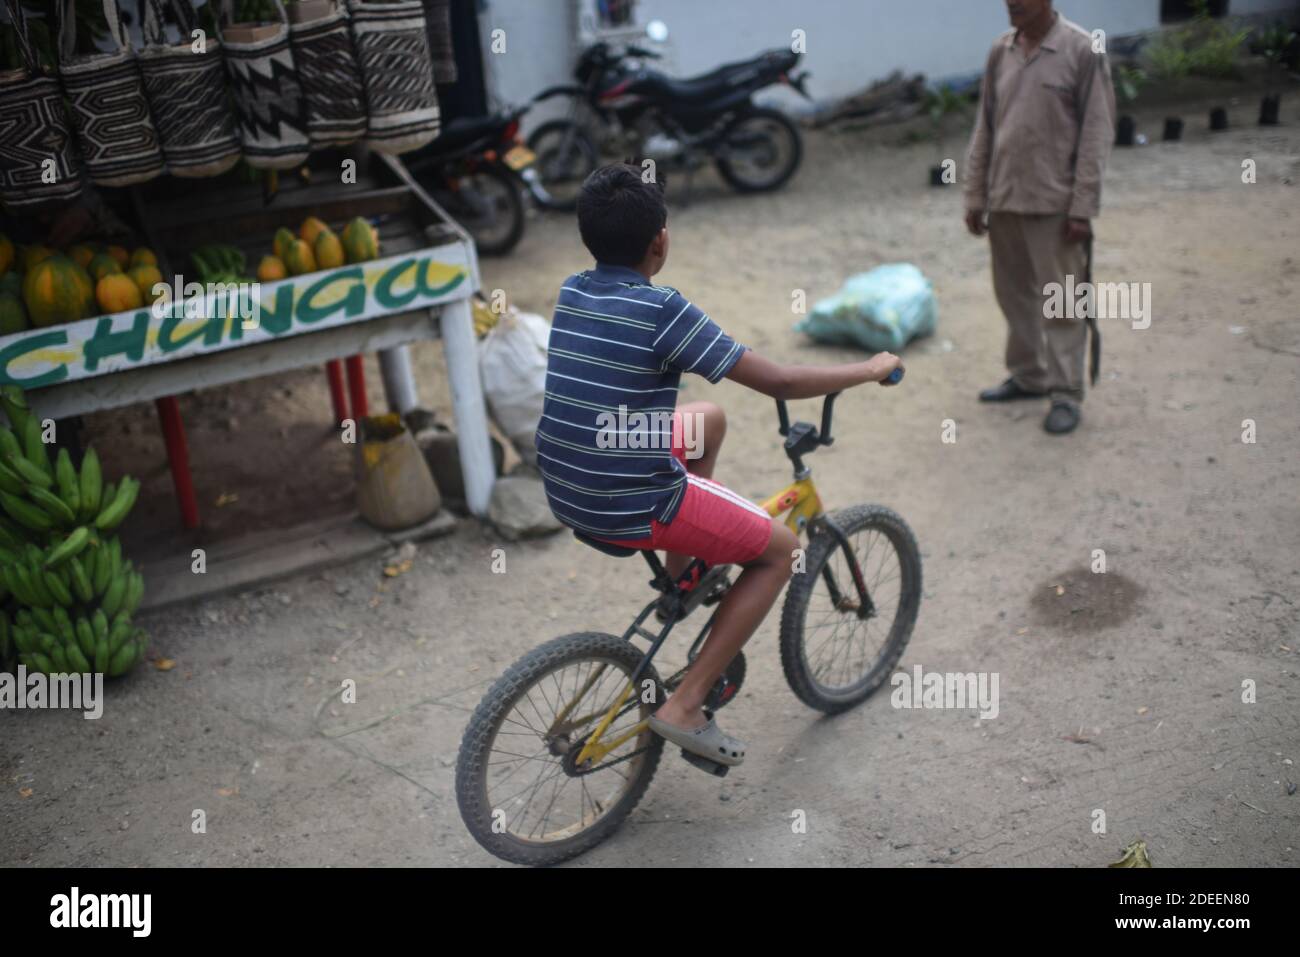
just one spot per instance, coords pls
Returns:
(330, 76)
(187, 95)
(110, 112)
(38, 163)
(269, 105)
(393, 49)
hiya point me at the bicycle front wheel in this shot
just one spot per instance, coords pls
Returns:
(834, 654)
(521, 792)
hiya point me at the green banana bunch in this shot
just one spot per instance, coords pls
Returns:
(112, 514)
(15, 406)
(219, 263)
(90, 485)
(67, 593)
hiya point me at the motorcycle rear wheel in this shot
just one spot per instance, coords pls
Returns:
(489, 204)
(565, 158)
(761, 150)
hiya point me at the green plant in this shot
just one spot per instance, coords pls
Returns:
(941, 102)
(1129, 81)
(1205, 47)
(1276, 45)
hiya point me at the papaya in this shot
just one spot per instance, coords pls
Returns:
(34, 255)
(311, 228)
(103, 265)
(6, 254)
(12, 282)
(87, 286)
(13, 314)
(271, 268)
(82, 254)
(328, 250)
(359, 243)
(144, 256)
(298, 258)
(120, 254)
(145, 276)
(57, 290)
(283, 238)
(117, 292)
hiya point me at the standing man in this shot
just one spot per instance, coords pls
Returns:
(1033, 183)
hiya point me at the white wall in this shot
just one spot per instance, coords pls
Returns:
(850, 43)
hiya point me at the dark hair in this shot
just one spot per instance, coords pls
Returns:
(619, 213)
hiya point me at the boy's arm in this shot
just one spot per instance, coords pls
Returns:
(807, 382)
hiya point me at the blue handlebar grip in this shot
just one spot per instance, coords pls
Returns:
(895, 377)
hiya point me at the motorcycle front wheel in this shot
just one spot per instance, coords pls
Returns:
(760, 151)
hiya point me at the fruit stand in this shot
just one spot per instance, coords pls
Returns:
(413, 281)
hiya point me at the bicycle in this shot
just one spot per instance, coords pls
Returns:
(580, 702)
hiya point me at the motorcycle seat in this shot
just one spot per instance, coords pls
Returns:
(716, 83)
(464, 130)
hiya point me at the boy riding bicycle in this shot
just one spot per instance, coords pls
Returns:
(613, 467)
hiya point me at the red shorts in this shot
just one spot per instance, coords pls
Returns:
(712, 523)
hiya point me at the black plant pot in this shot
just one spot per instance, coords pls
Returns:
(1173, 129)
(936, 176)
(1270, 109)
(1125, 131)
(1219, 120)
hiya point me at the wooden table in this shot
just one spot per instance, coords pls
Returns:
(420, 288)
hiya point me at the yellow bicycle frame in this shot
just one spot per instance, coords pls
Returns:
(804, 505)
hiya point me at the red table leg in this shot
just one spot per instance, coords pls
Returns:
(357, 387)
(338, 398)
(178, 456)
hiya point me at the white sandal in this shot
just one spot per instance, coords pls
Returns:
(709, 741)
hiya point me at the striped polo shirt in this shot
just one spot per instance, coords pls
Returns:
(617, 351)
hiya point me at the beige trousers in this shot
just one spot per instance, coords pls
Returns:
(1029, 252)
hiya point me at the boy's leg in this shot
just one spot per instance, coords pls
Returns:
(698, 430)
(739, 615)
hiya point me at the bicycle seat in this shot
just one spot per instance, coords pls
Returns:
(617, 551)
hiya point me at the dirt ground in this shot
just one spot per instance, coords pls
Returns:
(1122, 693)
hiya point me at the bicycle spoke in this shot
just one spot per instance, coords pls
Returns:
(546, 806)
(840, 648)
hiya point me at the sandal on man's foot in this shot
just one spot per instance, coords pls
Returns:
(708, 741)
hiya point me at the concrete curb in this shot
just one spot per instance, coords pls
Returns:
(263, 557)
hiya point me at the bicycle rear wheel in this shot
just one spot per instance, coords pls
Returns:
(520, 792)
(833, 657)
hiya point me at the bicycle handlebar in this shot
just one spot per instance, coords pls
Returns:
(824, 436)
(828, 411)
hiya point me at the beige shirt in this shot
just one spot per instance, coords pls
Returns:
(1026, 163)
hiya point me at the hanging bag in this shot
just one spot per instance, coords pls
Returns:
(187, 96)
(110, 111)
(393, 49)
(272, 115)
(329, 73)
(38, 163)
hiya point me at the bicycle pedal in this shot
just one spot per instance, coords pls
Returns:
(704, 764)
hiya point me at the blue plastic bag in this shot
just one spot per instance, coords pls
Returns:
(881, 311)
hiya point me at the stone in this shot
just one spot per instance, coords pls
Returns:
(519, 508)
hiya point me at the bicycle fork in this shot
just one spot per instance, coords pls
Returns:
(865, 607)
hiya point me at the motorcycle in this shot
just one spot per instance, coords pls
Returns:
(478, 169)
(622, 108)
